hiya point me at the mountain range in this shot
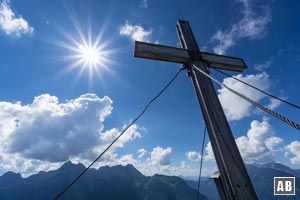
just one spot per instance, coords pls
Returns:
(117, 182)
(262, 177)
(126, 182)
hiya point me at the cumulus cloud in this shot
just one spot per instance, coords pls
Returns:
(196, 156)
(50, 131)
(12, 162)
(294, 149)
(272, 142)
(209, 153)
(149, 168)
(252, 24)
(258, 146)
(41, 135)
(236, 108)
(10, 23)
(53, 131)
(156, 164)
(132, 133)
(161, 156)
(141, 152)
(126, 159)
(135, 32)
(193, 155)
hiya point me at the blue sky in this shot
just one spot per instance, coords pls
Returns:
(59, 101)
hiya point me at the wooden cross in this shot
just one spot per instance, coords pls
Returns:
(233, 181)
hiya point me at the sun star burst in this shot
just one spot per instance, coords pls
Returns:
(85, 54)
(91, 56)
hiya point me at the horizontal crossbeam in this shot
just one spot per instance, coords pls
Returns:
(179, 55)
(161, 52)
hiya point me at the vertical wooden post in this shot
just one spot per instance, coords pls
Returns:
(233, 173)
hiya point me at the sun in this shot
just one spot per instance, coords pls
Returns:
(90, 56)
(87, 54)
(84, 52)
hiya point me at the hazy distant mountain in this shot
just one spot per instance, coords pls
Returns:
(207, 187)
(118, 182)
(126, 182)
(262, 177)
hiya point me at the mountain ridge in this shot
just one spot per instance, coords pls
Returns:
(126, 182)
(116, 182)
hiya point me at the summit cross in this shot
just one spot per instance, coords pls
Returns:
(233, 181)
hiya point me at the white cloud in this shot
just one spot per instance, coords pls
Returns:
(47, 131)
(236, 108)
(126, 159)
(251, 25)
(10, 23)
(258, 145)
(132, 133)
(156, 164)
(294, 149)
(274, 103)
(141, 152)
(161, 156)
(184, 169)
(272, 142)
(135, 32)
(208, 156)
(193, 156)
(225, 41)
(209, 153)
(41, 135)
(263, 66)
(53, 131)
(24, 166)
(149, 168)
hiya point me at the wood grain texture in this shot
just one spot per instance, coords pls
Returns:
(179, 55)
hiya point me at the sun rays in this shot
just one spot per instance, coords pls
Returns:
(85, 51)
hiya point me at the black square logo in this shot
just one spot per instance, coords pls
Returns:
(284, 185)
